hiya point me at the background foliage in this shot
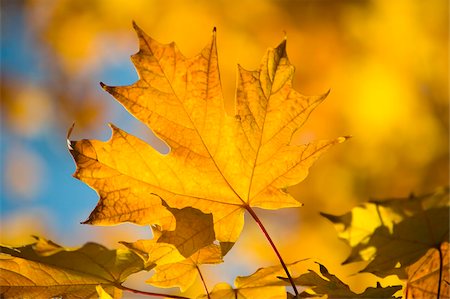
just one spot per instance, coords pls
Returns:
(385, 62)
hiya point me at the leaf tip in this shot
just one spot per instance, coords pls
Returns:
(343, 138)
(214, 36)
(281, 48)
(69, 132)
(104, 86)
(135, 26)
(87, 221)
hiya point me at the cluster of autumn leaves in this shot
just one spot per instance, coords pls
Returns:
(195, 197)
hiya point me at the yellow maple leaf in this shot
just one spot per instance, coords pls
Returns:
(102, 294)
(46, 270)
(264, 283)
(392, 234)
(171, 268)
(429, 276)
(218, 164)
(269, 283)
(183, 274)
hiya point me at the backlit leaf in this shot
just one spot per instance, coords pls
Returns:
(328, 284)
(423, 275)
(218, 164)
(183, 274)
(102, 294)
(393, 234)
(263, 284)
(193, 230)
(154, 253)
(270, 283)
(171, 268)
(46, 270)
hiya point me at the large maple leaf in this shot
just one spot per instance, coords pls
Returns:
(219, 164)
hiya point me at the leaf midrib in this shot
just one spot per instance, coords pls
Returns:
(262, 128)
(190, 119)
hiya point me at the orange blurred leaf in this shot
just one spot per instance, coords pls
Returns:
(393, 234)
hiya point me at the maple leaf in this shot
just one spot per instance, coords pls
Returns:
(392, 234)
(154, 253)
(217, 163)
(171, 268)
(193, 230)
(183, 274)
(269, 282)
(425, 274)
(264, 283)
(328, 284)
(46, 270)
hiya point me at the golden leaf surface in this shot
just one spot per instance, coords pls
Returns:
(423, 275)
(184, 273)
(154, 253)
(102, 294)
(193, 231)
(47, 270)
(172, 269)
(217, 163)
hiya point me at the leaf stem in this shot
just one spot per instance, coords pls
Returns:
(441, 265)
(379, 213)
(266, 234)
(203, 281)
(150, 293)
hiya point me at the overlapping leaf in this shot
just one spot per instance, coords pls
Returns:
(171, 268)
(393, 234)
(102, 294)
(269, 283)
(193, 230)
(47, 270)
(184, 273)
(263, 284)
(328, 284)
(429, 275)
(217, 164)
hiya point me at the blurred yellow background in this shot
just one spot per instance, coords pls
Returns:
(386, 63)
